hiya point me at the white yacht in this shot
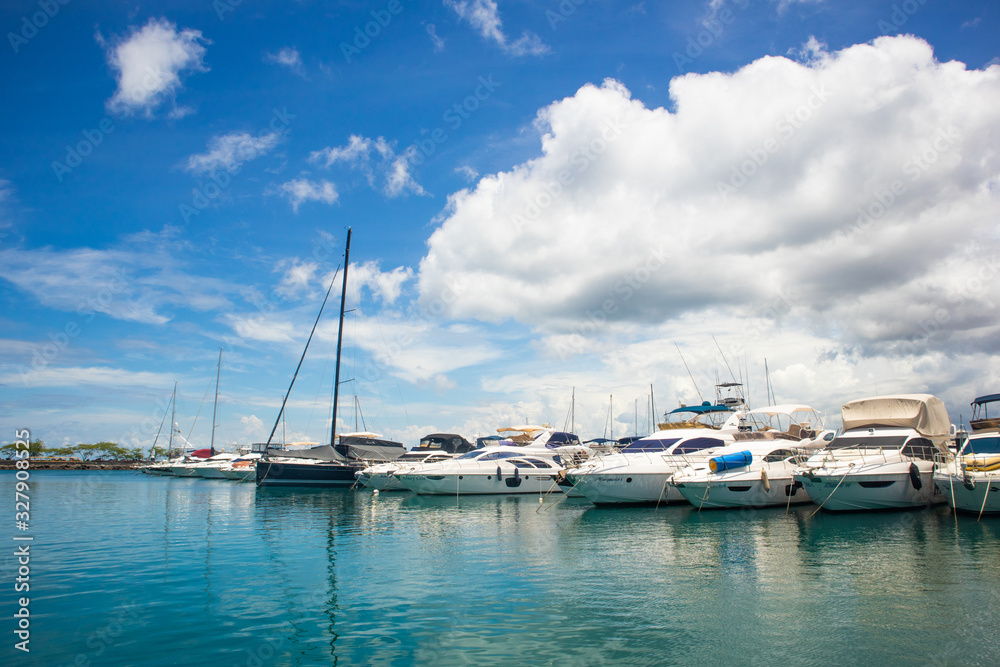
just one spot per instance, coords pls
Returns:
(971, 481)
(640, 472)
(885, 457)
(756, 470)
(505, 468)
(432, 448)
(209, 468)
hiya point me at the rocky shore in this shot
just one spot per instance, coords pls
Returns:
(44, 464)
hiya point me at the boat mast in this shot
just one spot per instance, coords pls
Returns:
(173, 414)
(215, 408)
(340, 340)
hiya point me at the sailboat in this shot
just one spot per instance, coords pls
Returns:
(330, 465)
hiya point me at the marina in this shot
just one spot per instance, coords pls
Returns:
(221, 573)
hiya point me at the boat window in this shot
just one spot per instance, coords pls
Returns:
(474, 454)
(868, 441)
(650, 445)
(697, 444)
(919, 448)
(538, 463)
(989, 445)
(778, 455)
(523, 463)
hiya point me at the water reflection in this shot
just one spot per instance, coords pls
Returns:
(230, 574)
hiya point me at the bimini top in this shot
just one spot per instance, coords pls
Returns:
(703, 409)
(986, 399)
(924, 413)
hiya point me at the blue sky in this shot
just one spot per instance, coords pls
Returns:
(546, 198)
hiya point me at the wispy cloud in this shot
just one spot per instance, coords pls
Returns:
(300, 190)
(376, 159)
(435, 39)
(230, 151)
(484, 17)
(148, 64)
(287, 57)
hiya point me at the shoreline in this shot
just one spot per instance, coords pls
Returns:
(42, 464)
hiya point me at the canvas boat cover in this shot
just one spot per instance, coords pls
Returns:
(924, 413)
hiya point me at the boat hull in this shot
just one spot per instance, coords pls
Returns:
(329, 475)
(837, 491)
(735, 493)
(626, 488)
(478, 484)
(982, 497)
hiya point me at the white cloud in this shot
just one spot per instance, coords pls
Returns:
(148, 64)
(287, 57)
(137, 280)
(770, 189)
(432, 33)
(301, 190)
(484, 17)
(230, 151)
(101, 376)
(359, 153)
(386, 286)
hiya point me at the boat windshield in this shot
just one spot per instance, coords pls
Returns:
(480, 455)
(989, 445)
(697, 444)
(867, 442)
(649, 445)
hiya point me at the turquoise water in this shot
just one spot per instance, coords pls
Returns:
(134, 570)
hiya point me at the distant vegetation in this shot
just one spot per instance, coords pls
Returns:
(107, 451)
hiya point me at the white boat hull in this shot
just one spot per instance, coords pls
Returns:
(743, 492)
(626, 487)
(878, 488)
(983, 496)
(441, 483)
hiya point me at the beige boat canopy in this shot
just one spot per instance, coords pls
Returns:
(924, 413)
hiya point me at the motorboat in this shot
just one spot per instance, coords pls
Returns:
(432, 448)
(640, 472)
(502, 469)
(756, 470)
(884, 458)
(210, 468)
(971, 481)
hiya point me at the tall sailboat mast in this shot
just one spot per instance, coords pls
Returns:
(340, 340)
(215, 408)
(173, 414)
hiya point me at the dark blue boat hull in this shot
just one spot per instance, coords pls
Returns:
(331, 475)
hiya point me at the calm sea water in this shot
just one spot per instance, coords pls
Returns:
(134, 570)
